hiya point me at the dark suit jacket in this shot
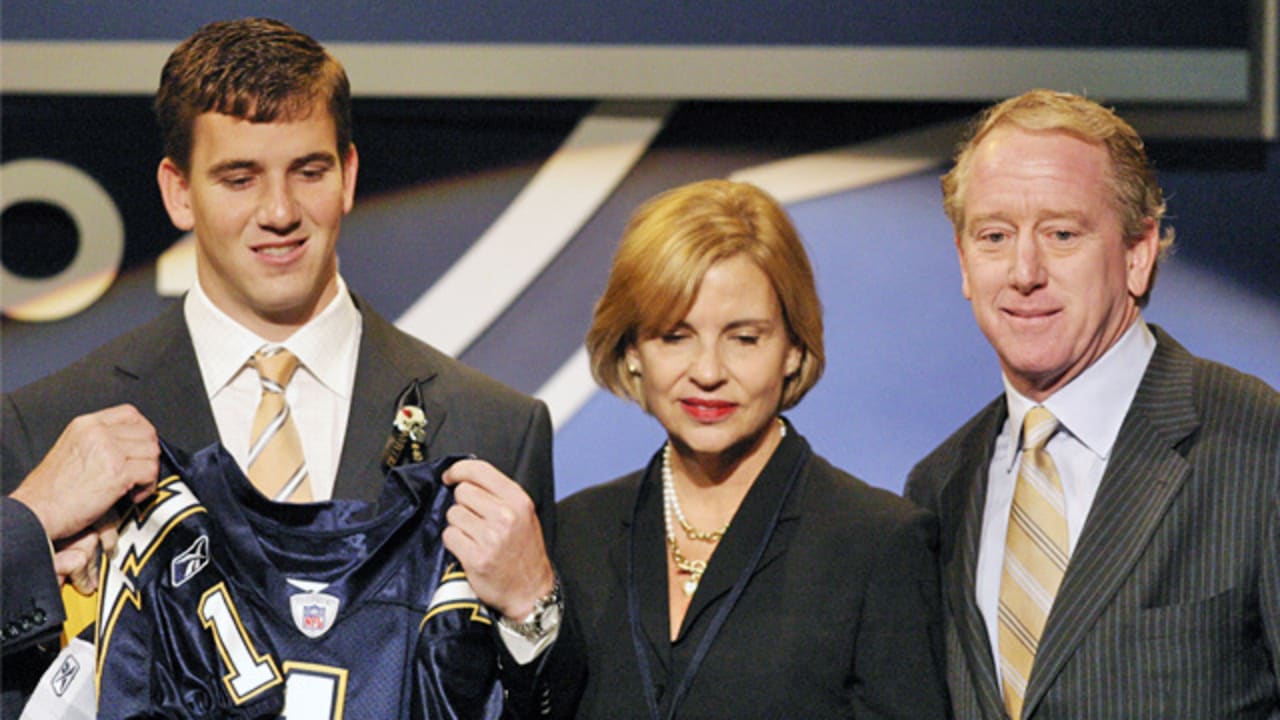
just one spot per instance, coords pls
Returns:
(155, 369)
(1170, 606)
(839, 620)
(30, 599)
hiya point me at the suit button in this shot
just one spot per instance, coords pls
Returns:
(11, 630)
(26, 623)
(39, 616)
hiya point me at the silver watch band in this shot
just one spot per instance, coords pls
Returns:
(545, 615)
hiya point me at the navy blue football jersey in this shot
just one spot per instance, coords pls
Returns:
(218, 602)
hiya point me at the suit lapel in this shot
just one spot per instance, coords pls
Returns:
(1142, 478)
(651, 566)
(962, 503)
(382, 373)
(162, 379)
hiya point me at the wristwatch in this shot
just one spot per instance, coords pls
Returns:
(544, 618)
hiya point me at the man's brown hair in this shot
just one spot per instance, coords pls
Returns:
(256, 69)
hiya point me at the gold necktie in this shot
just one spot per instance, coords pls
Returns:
(1035, 557)
(276, 465)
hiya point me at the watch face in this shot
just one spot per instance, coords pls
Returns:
(544, 618)
(550, 618)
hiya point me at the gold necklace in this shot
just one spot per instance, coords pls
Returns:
(671, 507)
(695, 568)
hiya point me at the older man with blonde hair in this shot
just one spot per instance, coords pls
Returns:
(1111, 523)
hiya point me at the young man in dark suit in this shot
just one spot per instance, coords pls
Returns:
(260, 164)
(1111, 524)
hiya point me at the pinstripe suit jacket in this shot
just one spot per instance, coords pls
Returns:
(155, 369)
(1170, 606)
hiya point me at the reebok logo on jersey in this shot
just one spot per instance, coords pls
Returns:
(66, 674)
(189, 562)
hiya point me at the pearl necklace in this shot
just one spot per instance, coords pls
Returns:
(671, 504)
(671, 507)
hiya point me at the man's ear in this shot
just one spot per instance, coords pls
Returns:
(1140, 258)
(964, 269)
(350, 168)
(175, 190)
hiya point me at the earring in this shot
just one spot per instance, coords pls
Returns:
(632, 369)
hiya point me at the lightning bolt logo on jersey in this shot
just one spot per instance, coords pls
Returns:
(218, 602)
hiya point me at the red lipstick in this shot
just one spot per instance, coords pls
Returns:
(707, 410)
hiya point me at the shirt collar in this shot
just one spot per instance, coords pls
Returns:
(223, 346)
(1093, 405)
(325, 343)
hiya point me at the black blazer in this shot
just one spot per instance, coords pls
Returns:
(30, 600)
(155, 369)
(1170, 606)
(839, 620)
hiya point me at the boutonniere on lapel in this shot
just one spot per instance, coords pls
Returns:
(408, 430)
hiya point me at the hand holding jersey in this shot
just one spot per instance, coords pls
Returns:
(98, 458)
(494, 532)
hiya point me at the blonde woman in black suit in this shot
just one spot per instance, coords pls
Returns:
(738, 574)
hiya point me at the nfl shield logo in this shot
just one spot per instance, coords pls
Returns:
(314, 612)
(313, 617)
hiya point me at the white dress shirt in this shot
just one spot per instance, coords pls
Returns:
(319, 395)
(1090, 410)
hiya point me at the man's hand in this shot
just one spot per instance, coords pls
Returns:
(98, 458)
(494, 532)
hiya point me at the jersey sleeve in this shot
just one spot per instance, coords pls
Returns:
(456, 673)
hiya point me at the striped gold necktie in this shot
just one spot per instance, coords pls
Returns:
(1035, 557)
(276, 465)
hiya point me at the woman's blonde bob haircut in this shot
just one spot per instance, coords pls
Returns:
(666, 250)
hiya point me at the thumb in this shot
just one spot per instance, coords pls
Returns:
(78, 562)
